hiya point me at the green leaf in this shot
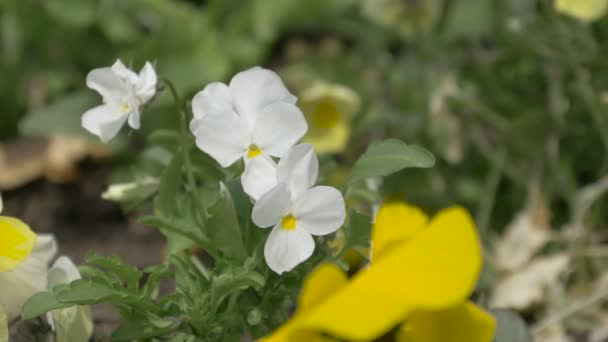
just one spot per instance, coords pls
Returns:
(41, 303)
(228, 283)
(358, 231)
(143, 327)
(179, 233)
(167, 138)
(170, 185)
(61, 116)
(223, 227)
(510, 327)
(389, 156)
(130, 275)
(84, 292)
(74, 13)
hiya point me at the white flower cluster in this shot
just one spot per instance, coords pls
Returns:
(253, 118)
(124, 94)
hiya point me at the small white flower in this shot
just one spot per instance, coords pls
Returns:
(124, 93)
(254, 118)
(297, 210)
(72, 323)
(28, 278)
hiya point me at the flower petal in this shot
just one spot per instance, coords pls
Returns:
(286, 249)
(135, 120)
(256, 88)
(145, 87)
(104, 121)
(63, 271)
(272, 206)
(320, 210)
(410, 277)
(299, 169)
(107, 84)
(224, 137)
(395, 223)
(125, 73)
(27, 278)
(215, 98)
(318, 285)
(260, 176)
(3, 326)
(462, 323)
(324, 281)
(17, 242)
(278, 127)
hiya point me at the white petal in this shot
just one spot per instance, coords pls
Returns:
(299, 169)
(145, 88)
(272, 206)
(254, 89)
(260, 176)
(320, 210)
(125, 73)
(63, 271)
(27, 278)
(215, 99)
(107, 84)
(286, 249)
(278, 128)
(211, 100)
(225, 137)
(135, 120)
(3, 326)
(104, 121)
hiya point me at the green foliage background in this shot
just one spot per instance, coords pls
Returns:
(526, 104)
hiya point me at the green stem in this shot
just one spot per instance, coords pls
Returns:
(183, 134)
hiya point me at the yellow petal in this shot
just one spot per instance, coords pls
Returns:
(16, 242)
(462, 323)
(322, 282)
(588, 10)
(330, 140)
(396, 222)
(434, 270)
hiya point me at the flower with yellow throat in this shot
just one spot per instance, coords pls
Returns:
(329, 109)
(24, 261)
(586, 10)
(415, 289)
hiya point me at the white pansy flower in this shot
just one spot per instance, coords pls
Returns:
(254, 118)
(124, 93)
(297, 210)
(72, 323)
(3, 326)
(27, 278)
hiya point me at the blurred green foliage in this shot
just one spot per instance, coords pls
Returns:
(505, 93)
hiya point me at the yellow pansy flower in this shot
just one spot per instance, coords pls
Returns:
(422, 272)
(16, 242)
(329, 109)
(23, 264)
(587, 10)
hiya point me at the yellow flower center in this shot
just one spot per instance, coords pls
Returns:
(326, 115)
(289, 222)
(254, 151)
(125, 108)
(16, 242)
